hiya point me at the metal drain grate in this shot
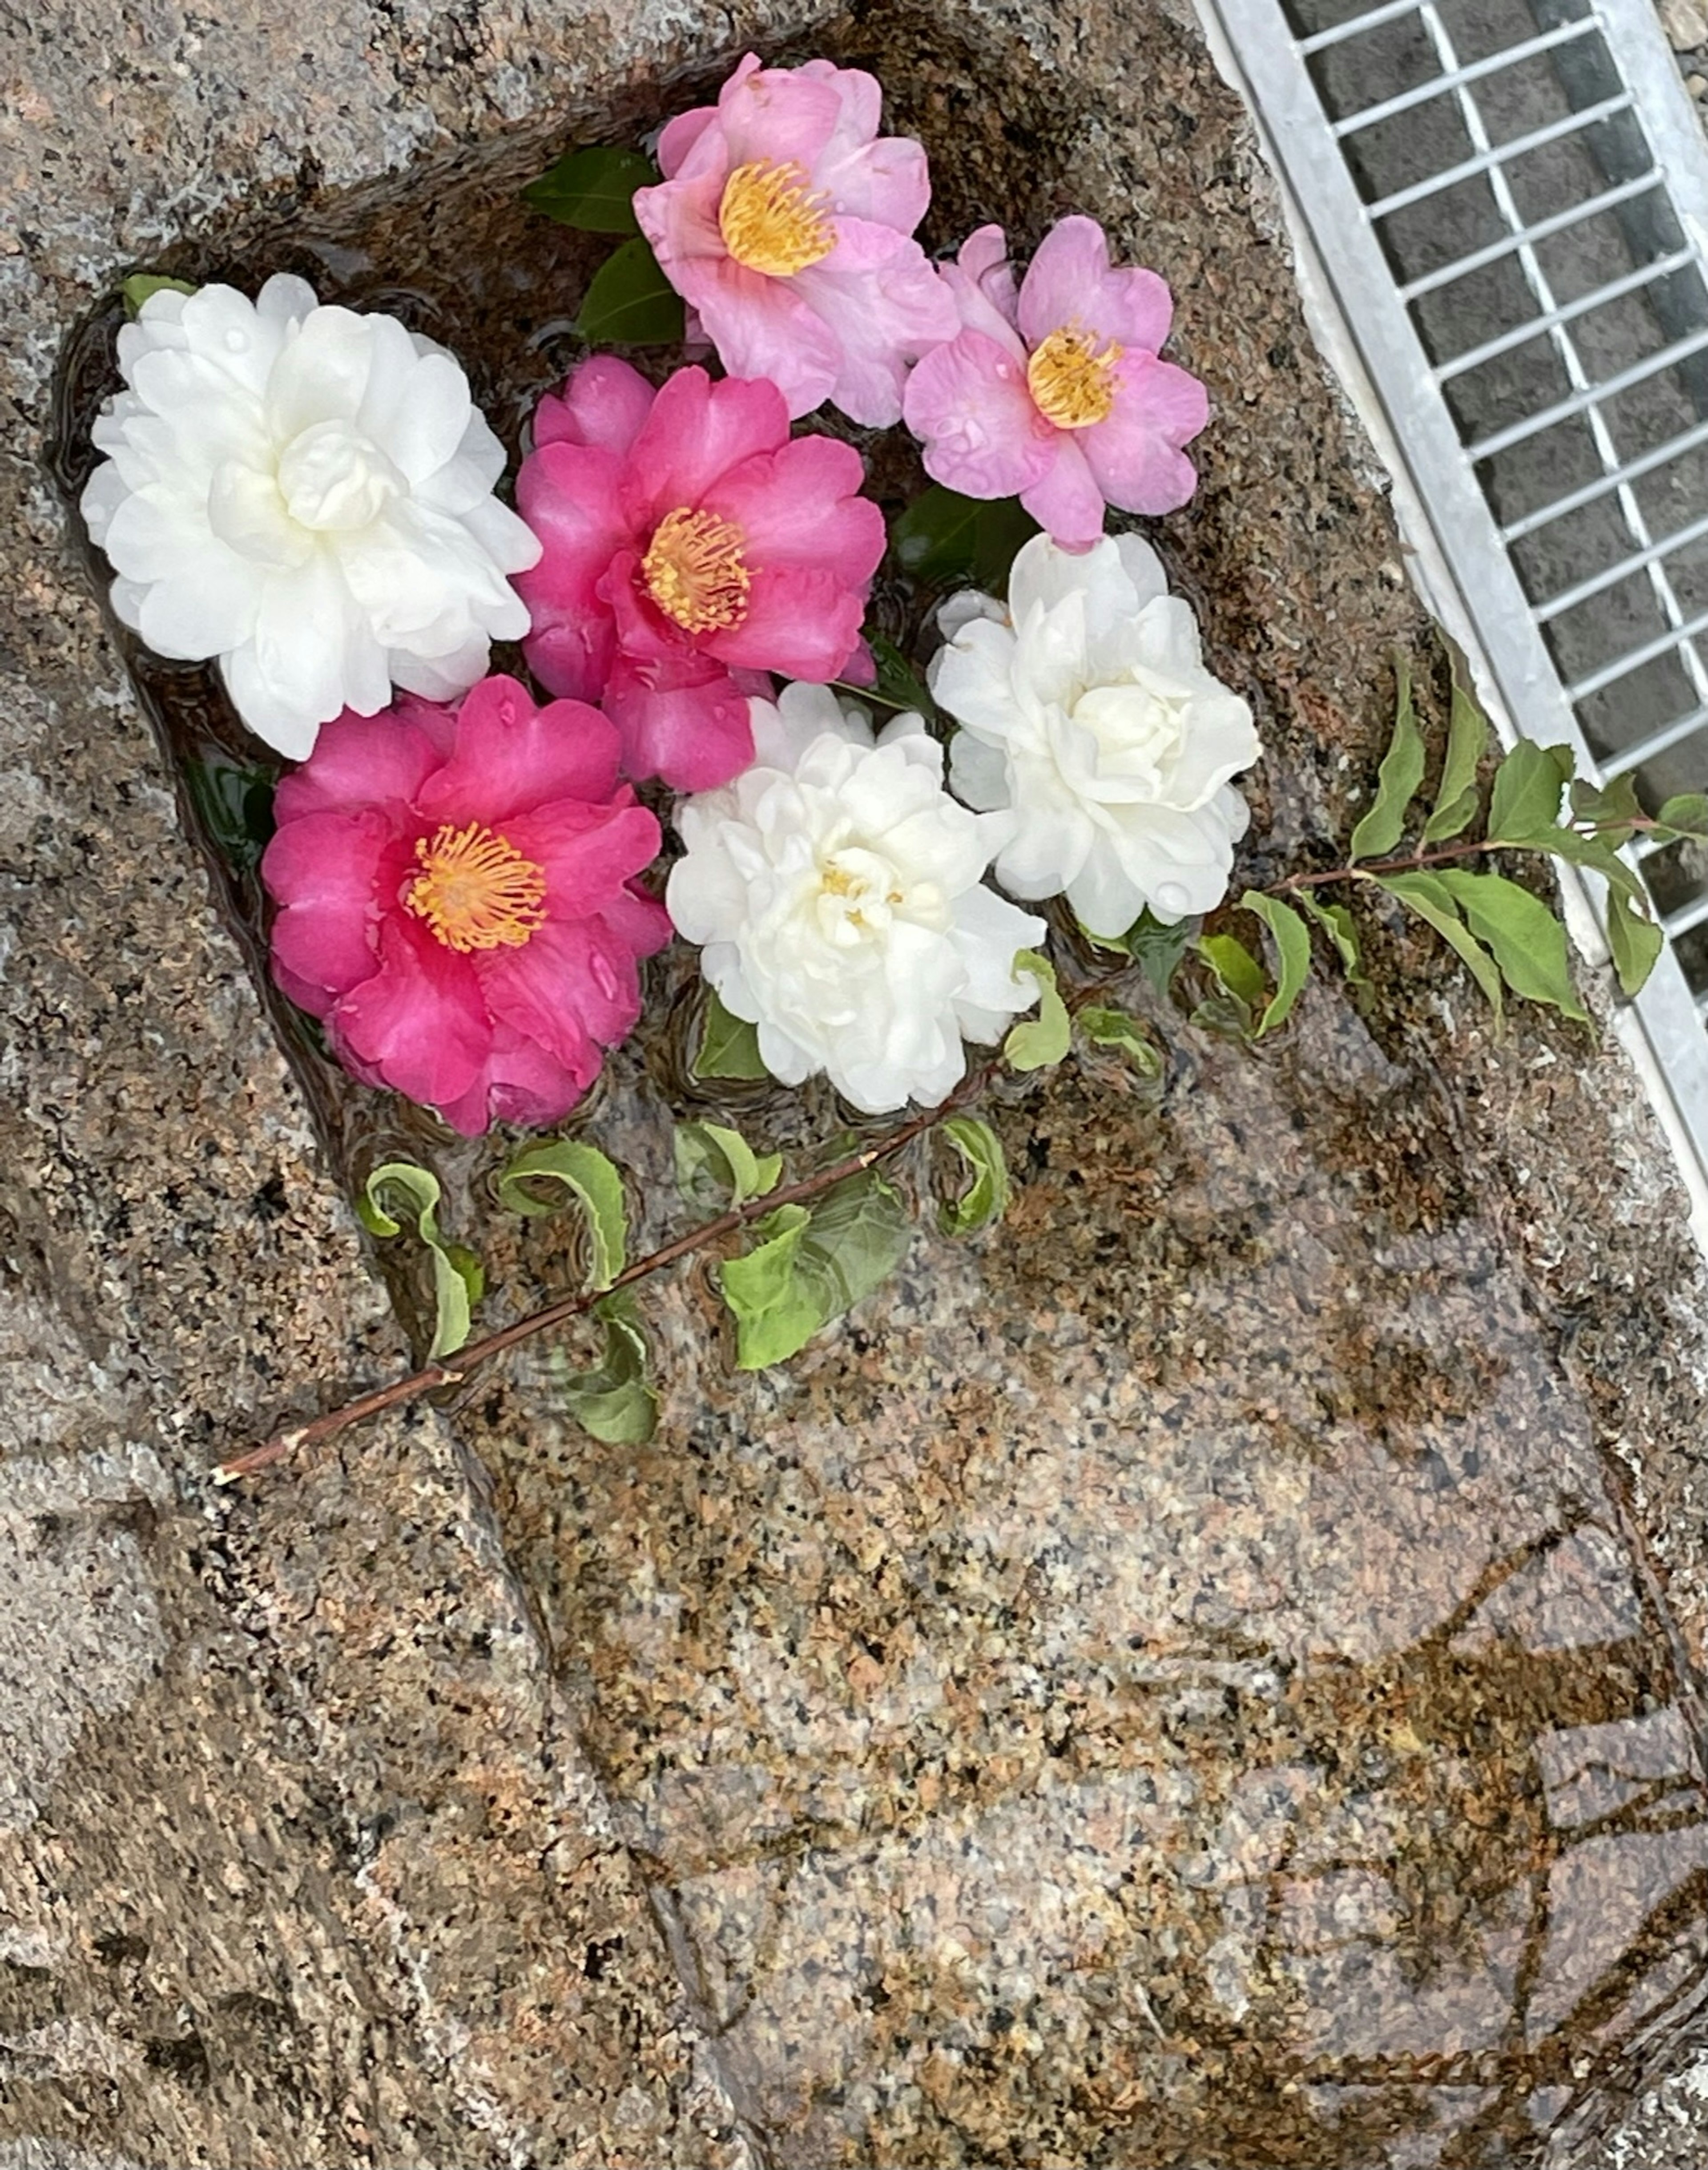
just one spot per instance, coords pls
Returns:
(1501, 207)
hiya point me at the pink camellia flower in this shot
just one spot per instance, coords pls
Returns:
(1055, 394)
(784, 222)
(690, 547)
(457, 901)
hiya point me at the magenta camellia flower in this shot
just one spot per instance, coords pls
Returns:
(690, 547)
(1055, 394)
(785, 223)
(457, 901)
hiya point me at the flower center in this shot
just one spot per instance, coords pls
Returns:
(476, 890)
(772, 221)
(859, 894)
(1072, 378)
(694, 572)
(331, 476)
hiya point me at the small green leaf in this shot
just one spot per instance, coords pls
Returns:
(1338, 924)
(1226, 1015)
(138, 288)
(1424, 894)
(713, 1149)
(235, 806)
(1235, 967)
(1635, 940)
(1157, 948)
(1616, 812)
(1108, 1028)
(630, 303)
(1525, 805)
(728, 1046)
(594, 190)
(899, 686)
(985, 1198)
(1528, 941)
(943, 536)
(1397, 780)
(1467, 741)
(1292, 940)
(615, 1403)
(1037, 1042)
(458, 1281)
(592, 1179)
(1686, 815)
(808, 1268)
(1596, 852)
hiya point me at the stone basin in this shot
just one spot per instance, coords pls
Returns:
(1205, 1674)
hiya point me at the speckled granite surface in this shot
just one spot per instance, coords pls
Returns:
(1186, 1681)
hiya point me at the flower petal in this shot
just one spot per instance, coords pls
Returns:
(968, 404)
(511, 757)
(1065, 501)
(324, 870)
(604, 402)
(1071, 281)
(420, 1022)
(689, 726)
(1134, 455)
(697, 431)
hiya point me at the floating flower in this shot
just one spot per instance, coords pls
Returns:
(1055, 394)
(784, 222)
(690, 547)
(1086, 710)
(307, 494)
(457, 901)
(837, 890)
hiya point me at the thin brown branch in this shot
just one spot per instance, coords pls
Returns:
(1416, 862)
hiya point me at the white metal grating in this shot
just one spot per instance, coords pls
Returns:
(1501, 207)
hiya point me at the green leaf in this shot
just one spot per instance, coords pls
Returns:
(614, 1401)
(1528, 941)
(1467, 741)
(1108, 1028)
(1425, 895)
(1525, 806)
(1037, 1042)
(899, 686)
(1292, 940)
(1235, 967)
(1617, 811)
(1397, 780)
(728, 1046)
(235, 806)
(713, 1149)
(1157, 949)
(594, 190)
(1226, 1015)
(592, 1179)
(943, 537)
(808, 1268)
(1635, 940)
(458, 1281)
(630, 303)
(1338, 924)
(1686, 815)
(138, 288)
(1594, 852)
(985, 1198)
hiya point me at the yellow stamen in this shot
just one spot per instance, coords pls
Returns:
(772, 222)
(1072, 378)
(476, 890)
(694, 571)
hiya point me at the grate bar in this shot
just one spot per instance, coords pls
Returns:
(1688, 441)
(1599, 583)
(1545, 229)
(1661, 741)
(1592, 395)
(1498, 154)
(1472, 72)
(1357, 26)
(1633, 659)
(1686, 916)
(1566, 313)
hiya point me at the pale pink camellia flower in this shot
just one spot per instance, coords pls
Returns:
(690, 547)
(1054, 394)
(785, 221)
(457, 901)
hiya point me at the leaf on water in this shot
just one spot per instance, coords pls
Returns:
(1109, 1028)
(808, 1268)
(591, 1177)
(1157, 948)
(1525, 804)
(1226, 1015)
(1467, 741)
(713, 1150)
(1686, 815)
(1635, 940)
(1528, 941)
(1433, 904)
(1037, 1042)
(986, 1197)
(458, 1282)
(615, 1403)
(1398, 779)
(1338, 924)
(1237, 970)
(594, 190)
(1292, 940)
(943, 537)
(138, 288)
(235, 806)
(1616, 811)
(899, 686)
(630, 303)
(728, 1046)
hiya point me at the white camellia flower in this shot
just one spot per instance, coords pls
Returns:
(1086, 708)
(837, 892)
(307, 494)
